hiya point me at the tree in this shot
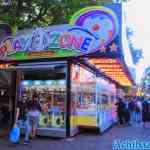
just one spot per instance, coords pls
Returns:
(31, 13)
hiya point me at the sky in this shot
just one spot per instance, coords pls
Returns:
(138, 18)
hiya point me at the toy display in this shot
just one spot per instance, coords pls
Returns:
(51, 94)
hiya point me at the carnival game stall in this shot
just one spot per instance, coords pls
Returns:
(74, 69)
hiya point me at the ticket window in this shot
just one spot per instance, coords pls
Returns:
(51, 90)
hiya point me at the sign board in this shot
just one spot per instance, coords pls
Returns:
(90, 30)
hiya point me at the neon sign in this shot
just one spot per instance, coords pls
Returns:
(41, 42)
(90, 30)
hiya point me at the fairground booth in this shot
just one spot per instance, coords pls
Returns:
(76, 69)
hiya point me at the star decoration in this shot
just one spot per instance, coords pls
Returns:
(113, 47)
(103, 49)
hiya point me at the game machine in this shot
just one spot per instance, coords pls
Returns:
(93, 100)
(106, 108)
(83, 97)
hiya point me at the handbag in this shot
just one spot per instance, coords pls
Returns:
(14, 135)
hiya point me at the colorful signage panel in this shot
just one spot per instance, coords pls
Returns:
(90, 30)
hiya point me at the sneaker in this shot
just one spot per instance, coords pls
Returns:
(26, 142)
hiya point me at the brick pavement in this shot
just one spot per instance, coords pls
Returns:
(83, 141)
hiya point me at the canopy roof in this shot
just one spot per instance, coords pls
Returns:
(113, 68)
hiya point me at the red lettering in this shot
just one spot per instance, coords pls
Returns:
(64, 40)
(76, 43)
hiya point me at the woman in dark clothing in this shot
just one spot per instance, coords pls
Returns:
(132, 110)
(120, 110)
(126, 112)
(145, 112)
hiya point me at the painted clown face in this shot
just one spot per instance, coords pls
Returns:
(100, 26)
(100, 22)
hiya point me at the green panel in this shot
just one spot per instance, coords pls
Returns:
(56, 54)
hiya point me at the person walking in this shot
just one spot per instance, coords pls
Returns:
(126, 111)
(120, 110)
(34, 110)
(132, 110)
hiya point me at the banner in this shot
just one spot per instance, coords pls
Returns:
(90, 30)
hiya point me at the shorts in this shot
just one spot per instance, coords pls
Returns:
(23, 123)
(33, 121)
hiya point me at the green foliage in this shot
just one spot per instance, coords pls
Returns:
(32, 13)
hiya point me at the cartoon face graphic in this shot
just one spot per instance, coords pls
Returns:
(100, 22)
(37, 43)
(100, 26)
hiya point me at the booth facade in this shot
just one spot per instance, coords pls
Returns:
(71, 95)
(62, 65)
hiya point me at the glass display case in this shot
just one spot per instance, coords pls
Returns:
(50, 86)
(83, 96)
(105, 97)
(51, 94)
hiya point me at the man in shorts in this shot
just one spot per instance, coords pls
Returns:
(34, 110)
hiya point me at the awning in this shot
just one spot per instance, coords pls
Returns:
(114, 69)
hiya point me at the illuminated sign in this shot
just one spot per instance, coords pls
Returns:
(44, 39)
(102, 22)
(89, 31)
